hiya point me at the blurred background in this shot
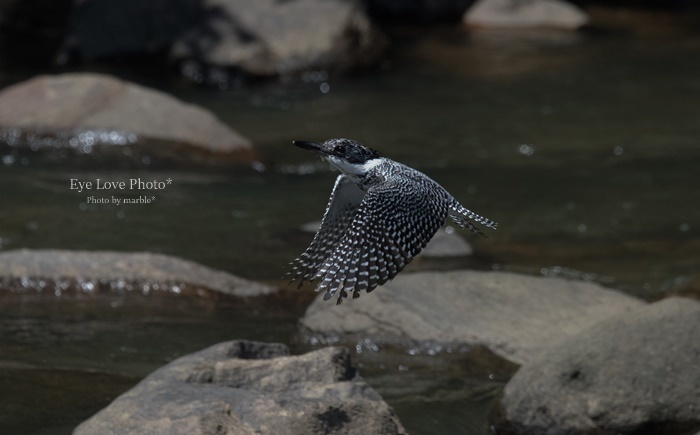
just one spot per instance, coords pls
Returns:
(573, 125)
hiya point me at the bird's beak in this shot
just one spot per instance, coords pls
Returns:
(309, 146)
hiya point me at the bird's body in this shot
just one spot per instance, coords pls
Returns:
(380, 215)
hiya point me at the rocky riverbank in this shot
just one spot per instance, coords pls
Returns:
(593, 360)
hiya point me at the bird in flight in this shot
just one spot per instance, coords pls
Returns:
(380, 215)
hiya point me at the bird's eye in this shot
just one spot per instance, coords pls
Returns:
(340, 149)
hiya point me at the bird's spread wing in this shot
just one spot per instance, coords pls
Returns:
(393, 223)
(342, 206)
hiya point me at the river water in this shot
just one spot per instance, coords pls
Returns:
(584, 147)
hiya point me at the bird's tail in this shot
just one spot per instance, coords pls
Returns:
(464, 217)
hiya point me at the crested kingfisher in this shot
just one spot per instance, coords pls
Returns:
(380, 215)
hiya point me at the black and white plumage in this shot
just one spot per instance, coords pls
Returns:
(380, 215)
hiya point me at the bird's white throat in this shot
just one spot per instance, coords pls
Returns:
(354, 168)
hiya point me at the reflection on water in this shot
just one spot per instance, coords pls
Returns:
(582, 147)
(504, 54)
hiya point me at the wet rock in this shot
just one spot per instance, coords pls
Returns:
(76, 103)
(245, 387)
(269, 37)
(515, 316)
(525, 14)
(89, 271)
(636, 372)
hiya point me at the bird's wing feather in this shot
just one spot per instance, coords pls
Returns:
(342, 206)
(395, 220)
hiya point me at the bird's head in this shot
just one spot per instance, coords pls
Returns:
(349, 156)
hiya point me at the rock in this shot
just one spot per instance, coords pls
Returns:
(269, 37)
(83, 103)
(243, 387)
(88, 271)
(515, 316)
(636, 372)
(525, 13)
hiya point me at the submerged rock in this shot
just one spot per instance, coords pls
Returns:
(525, 14)
(636, 372)
(515, 316)
(246, 387)
(91, 271)
(85, 106)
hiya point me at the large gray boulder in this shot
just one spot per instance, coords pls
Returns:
(243, 387)
(269, 37)
(78, 105)
(515, 316)
(635, 373)
(92, 271)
